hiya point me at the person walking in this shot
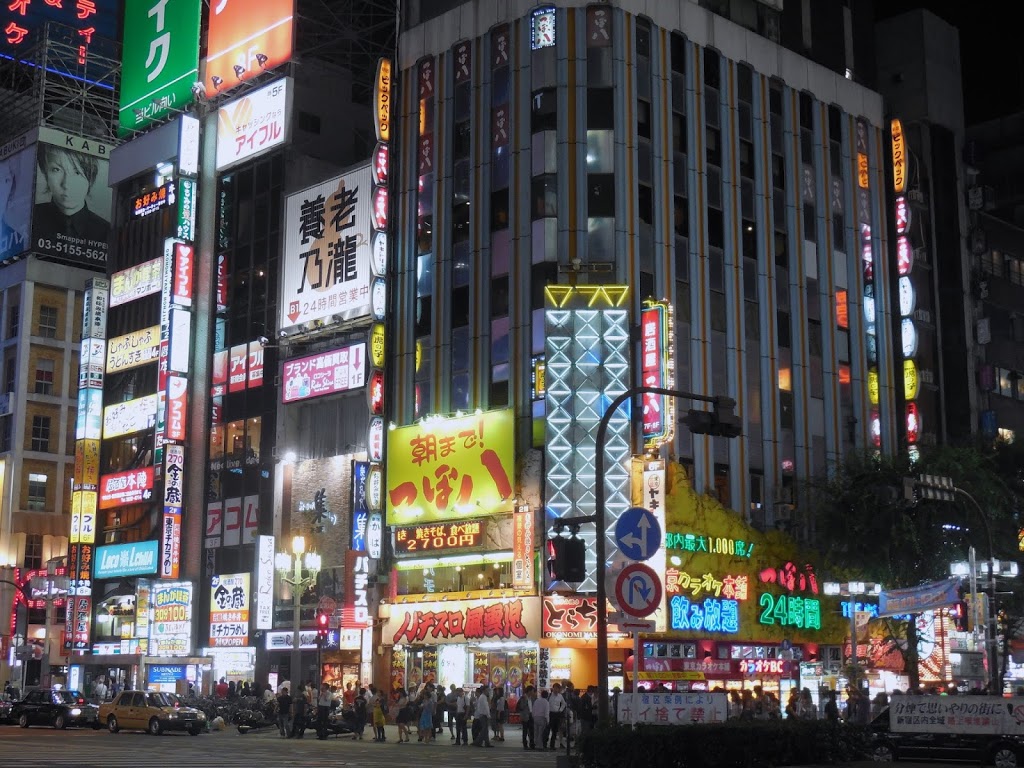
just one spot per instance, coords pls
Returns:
(403, 715)
(556, 705)
(500, 707)
(541, 710)
(449, 707)
(524, 706)
(378, 719)
(461, 716)
(323, 709)
(482, 738)
(300, 708)
(284, 712)
(359, 710)
(426, 723)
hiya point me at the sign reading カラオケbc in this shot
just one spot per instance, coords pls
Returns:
(122, 488)
(446, 469)
(464, 621)
(324, 374)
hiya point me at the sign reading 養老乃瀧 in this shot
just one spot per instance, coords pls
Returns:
(445, 469)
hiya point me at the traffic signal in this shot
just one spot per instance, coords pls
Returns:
(567, 559)
(323, 627)
(959, 613)
(721, 421)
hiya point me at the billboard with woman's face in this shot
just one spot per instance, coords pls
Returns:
(71, 220)
(16, 177)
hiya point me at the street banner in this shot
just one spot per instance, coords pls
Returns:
(927, 597)
(672, 708)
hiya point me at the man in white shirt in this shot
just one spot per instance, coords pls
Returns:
(483, 717)
(556, 702)
(461, 715)
(541, 710)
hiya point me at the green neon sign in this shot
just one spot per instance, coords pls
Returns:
(159, 60)
(789, 611)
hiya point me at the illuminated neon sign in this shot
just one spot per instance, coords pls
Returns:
(732, 587)
(765, 667)
(713, 614)
(422, 538)
(791, 578)
(789, 611)
(713, 545)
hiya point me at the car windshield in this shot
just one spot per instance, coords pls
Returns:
(158, 700)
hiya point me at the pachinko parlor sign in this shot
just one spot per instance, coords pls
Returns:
(463, 621)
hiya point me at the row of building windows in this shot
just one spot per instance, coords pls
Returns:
(1003, 265)
(1010, 383)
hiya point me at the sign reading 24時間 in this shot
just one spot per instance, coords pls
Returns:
(325, 268)
(451, 468)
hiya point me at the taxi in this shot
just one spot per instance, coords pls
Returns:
(152, 712)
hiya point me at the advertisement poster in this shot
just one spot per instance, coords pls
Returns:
(159, 61)
(325, 267)
(171, 628)
(246, 39)
(122, 488)
(324, 374)
(989, 715)
(470, 476)
(229, 611)
(16, 175)
(136, 282)
(253, 124)
(462, 621)
(128, 417)
(71, 217)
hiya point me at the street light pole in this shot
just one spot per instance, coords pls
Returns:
(852, 590)
(296, 661)
(294, 562)
(599, 521)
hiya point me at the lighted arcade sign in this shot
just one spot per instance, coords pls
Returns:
(122, 488)
(899, 157)
(791, 577)
(427, 538)
(789, 611)
(713, 614)
(657, 369)
(714, 545)
(326, 373)
(449, 468)
(246, 39)
(464, 621)
(732, 587)
(382, 92)
(761, 667)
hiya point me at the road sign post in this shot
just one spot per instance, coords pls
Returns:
(638, 534)
(638, 590)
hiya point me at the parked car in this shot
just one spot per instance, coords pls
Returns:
(56, 707)
(1002, 751)
(6, 705)
(150, 711)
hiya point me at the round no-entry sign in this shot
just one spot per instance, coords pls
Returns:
(638, 590)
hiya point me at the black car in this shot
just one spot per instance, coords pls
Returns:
(55, 707)
(986, 749)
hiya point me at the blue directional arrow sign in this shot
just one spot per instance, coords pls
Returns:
(638, 534)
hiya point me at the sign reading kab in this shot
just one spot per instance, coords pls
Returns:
(451, 468)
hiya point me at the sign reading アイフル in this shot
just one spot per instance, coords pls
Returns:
(446, 469)
(253, 124)
(325, 267)
(160, 60)
(246, 39)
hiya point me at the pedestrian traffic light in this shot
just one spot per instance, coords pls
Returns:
(323, 626)
(721, 421)
(567, 559)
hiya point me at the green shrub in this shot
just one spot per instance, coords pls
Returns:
(730, 745)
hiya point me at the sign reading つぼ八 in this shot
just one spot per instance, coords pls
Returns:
(464, 621)
(450, 468)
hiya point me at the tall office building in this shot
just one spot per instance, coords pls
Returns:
(571, 177)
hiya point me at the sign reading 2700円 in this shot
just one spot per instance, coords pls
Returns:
(451, 468)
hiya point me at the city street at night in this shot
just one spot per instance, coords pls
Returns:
(39, 747)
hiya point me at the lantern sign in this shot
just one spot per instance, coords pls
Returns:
(375, 488)
(376, 438)
(377, 345)
(375, 393)
(908, 332)
(657, 369)
(910, 380)
(378, 299)
(375, 535)
(913, 423)
(899, 157)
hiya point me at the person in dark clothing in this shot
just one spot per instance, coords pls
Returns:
(232, 689)
(525, 710)
(300, 708)
(284, 711)
(359, 708)
(69, 179)
(831, 708)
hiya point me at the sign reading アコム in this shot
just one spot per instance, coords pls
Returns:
(451, 468)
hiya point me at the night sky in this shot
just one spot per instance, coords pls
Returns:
(991, 52)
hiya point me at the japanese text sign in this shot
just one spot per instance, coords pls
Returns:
(252, 124)
(673, 708)
(451, 468)
(126, 560)
(122, 488)
(571, 618)
(326, 373)
(172, 616)
(325, 267)
(356, 611)
(427, 538)
(130, 416)
(246, 39)
(135, 282)
(657, 369)
(133, 349)
(989, 715)
(229, 611)
(265, 582)
(170, 546)
(382, 98)
(523, 526)
(464, 621)
(160, 59)
(22, 22)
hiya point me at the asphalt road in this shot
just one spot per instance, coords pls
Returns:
(38, 747)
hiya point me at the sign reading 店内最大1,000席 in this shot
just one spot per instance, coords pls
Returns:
(159, 61)
(444, 469)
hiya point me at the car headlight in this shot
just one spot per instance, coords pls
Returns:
(76, 712)
(202, 716)
(172, 716)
